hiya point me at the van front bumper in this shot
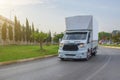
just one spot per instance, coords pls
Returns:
(80, 54)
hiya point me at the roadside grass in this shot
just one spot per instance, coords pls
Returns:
(112, 45)
(14, 52)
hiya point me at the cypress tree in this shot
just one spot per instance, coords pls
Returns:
(27, 31)
(10, 32)
(23, 33)
(4, 31)
(33, 31)
(36, 32)
(19, 31)
(16, 28)
(30, 34)
(49, 38)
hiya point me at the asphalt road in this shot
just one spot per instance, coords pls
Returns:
(105, 66)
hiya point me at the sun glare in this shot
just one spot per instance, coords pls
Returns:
(3, 2)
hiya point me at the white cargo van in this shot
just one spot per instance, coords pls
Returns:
(80, 39)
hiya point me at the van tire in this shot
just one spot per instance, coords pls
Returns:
(87, 58)
(94, 53)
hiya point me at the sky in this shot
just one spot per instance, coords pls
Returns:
(50, 14)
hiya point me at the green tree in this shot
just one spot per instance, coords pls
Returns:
(49, 37)
(19, 31)
(104, 35)
(16, 29)
(40, 37)
(1, 32)
(37, 31)
(27, 31)
(32, 32)
(10, 32)
(57, 37)
(116, 38)
(4, 31)
(23, 33)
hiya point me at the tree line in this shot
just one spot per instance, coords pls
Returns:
(26, 33)
(114, 38)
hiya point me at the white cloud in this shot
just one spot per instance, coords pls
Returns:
(20, 2)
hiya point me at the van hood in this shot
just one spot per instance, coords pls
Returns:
(73, 41)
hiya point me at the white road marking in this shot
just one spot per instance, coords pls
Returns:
(95, 73)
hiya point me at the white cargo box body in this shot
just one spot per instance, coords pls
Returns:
(82, 23)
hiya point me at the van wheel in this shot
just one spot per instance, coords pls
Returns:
(87, 58)
(94, 54)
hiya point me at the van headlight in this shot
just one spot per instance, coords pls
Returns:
(61, 44)
(81, 45)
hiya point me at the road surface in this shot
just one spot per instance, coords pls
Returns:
(105, 66)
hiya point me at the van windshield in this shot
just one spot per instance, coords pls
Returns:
(75, 36)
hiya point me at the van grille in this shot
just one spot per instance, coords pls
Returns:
(70, 47)
(70, 54)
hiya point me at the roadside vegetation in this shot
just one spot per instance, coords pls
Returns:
(21, 41)
(110, 39)
(112, 45)
(14, 52)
